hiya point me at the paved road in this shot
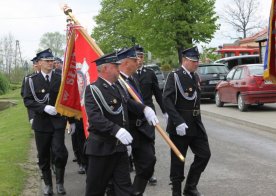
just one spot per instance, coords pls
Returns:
(262, 117)
(243, 158)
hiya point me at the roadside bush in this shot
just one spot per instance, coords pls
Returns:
(166, 67)
(4, 84)
(15, 86)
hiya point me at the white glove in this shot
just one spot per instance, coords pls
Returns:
(72, 129)
(129, 150)
(150, 116)
(124, 136)
(181, 129)
(31, 121)
(166, 117)
(50, 110)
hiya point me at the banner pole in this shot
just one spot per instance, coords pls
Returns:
(158, 127)
(68, 11)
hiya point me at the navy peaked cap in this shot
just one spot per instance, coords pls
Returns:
(45, 55)
(58, 59)
(139, 49)
(127, 53)
(191, 54)
(107, 58)
(34, 60)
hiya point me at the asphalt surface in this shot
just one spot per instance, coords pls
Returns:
(234, 175)
(260, 117)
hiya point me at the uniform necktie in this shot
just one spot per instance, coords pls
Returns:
(139, 72)
(193, 76)
(47, 79)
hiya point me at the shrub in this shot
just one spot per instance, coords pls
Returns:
(4, 84)
(166, 67)
(14, 86)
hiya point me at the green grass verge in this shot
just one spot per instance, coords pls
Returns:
(15, 137)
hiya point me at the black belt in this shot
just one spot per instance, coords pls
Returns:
(194, 112)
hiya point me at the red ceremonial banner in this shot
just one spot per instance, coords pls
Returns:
(79, 71)
(270, 56)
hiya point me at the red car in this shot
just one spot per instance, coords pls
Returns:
(245, 86)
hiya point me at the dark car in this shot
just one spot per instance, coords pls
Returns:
(244, 85)
(233, 61)
(210, 75)
(158, 73)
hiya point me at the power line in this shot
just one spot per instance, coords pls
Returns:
(39, 17)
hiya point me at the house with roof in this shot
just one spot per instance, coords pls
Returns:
(254, 44)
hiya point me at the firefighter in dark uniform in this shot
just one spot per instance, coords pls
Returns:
(49, 127)
(76, 131)
(149, 86)
(181, 98)
(58, 65)
(108, 143)
(141, 130)
(36, 69)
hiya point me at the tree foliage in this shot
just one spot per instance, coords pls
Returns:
(209, 54)
(162, 27)
(54, 40)
(242, 16)
(4, 84)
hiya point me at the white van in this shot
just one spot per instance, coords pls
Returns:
(233, 61)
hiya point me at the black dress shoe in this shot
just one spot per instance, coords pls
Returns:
(153, 180)
(192, 192)
(61, 189)
(48, 190)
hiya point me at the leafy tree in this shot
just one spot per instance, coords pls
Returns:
(54, 40)
(242, 16)
(162, 27)
(4, 84)
(209, 55)
(7, 53)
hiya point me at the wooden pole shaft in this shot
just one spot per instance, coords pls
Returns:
(68, 11)
(158, 127)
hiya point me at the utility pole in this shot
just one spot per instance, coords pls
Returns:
(17, 48)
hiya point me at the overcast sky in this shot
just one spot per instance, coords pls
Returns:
(28, 20)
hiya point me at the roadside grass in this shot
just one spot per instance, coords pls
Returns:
(15, 137)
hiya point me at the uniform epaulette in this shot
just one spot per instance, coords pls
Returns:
(32, 75)
(58, 73)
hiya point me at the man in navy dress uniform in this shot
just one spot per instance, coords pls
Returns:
(109, 138)
(139, 125)
(36, 69)
(181, 98)
(49, 126)
(149, 86)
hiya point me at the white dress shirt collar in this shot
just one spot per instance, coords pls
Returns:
(189, 73)
(49, 74)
